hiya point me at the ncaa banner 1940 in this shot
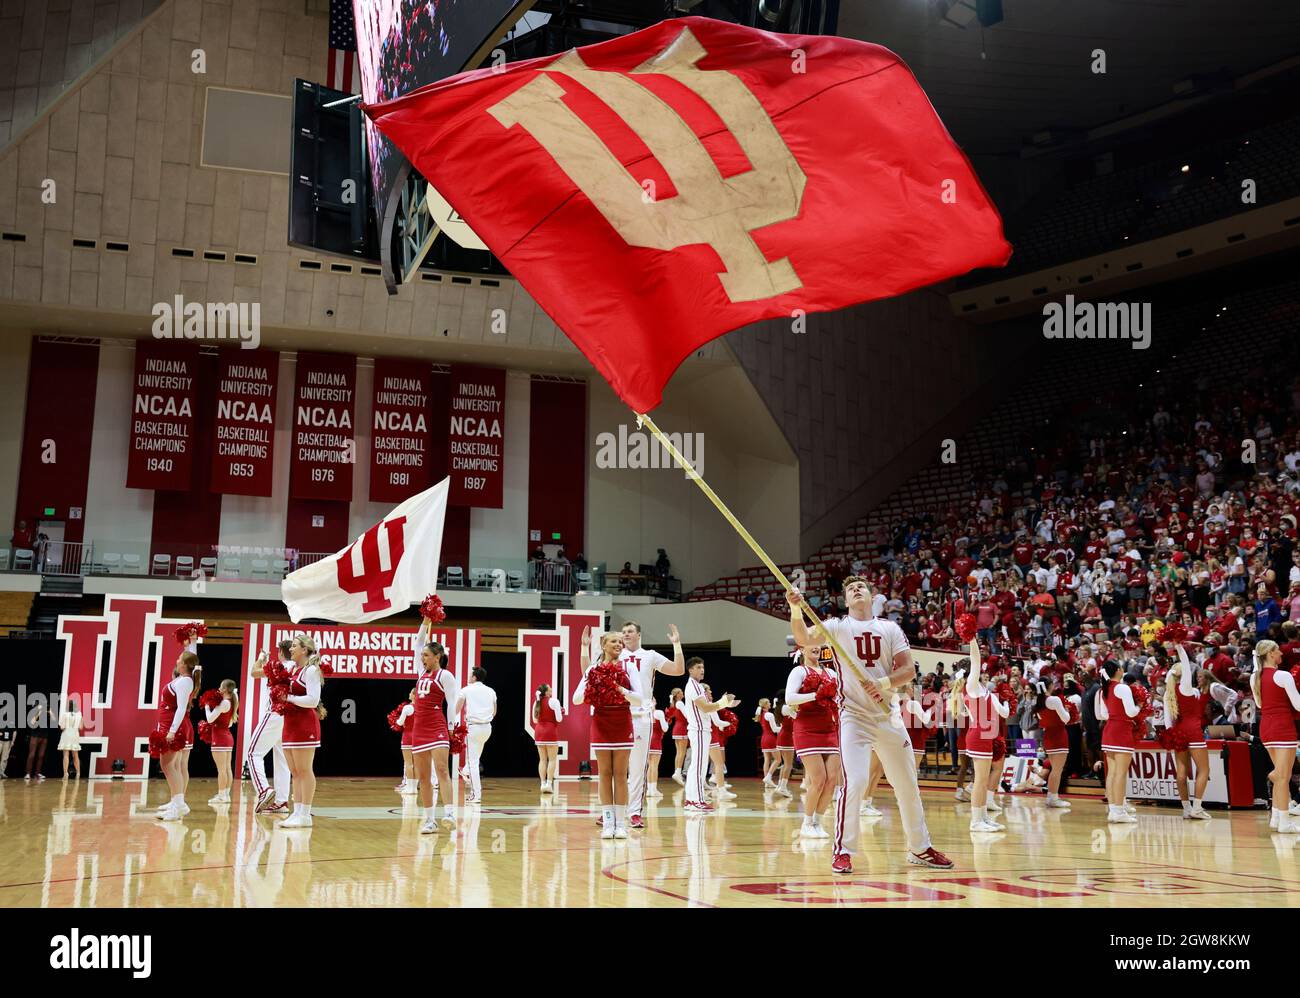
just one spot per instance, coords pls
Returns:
(324, 416)
(162, 415)
(400, 439)
(243, 452)
(476, 436)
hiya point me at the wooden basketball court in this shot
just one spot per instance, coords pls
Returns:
(96, 844)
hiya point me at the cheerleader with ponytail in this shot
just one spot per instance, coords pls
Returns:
(167, 740)
(681, 740)
(1183, 734)
(435, 693)
(983, 744)
(608, 688)
(1279, 706)
(785, 744)
(221, 708)
(768, 729)
(658, 728)
(303, 712)
(401, 720)
(1116, 706)
(1053, 713)
(547, 713)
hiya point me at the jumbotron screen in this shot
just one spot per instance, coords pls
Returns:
(406, 44)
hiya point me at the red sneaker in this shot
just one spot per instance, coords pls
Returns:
(635, 821)
(931, 857)
(843, 863)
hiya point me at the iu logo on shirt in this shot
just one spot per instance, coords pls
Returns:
(868, 647)
(117, 664)
(554, 657)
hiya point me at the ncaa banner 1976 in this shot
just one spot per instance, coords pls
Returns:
(399, 444)
(162, 415)
(358, 651)
(476, 436)
(243, 451)
(324, 415)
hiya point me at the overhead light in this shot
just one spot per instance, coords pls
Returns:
(1185, 169)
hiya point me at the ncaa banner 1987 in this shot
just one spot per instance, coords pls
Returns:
(476, 436)
(162, 415)
(324, 415)
(243, 451)
(358, 651)
(399, 444)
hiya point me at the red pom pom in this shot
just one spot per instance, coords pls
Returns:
(1142, 697)
(187, 633)
(1074, 711)
(966, 628)
(205, 732)
(1175, 633)
(603, 686)
(211, 699)
(828, 690)
(276, 674)
(812, 682)
(394, 715)
(999, 749)
(326, 670)
(279, 697)
(1172, 739)
(160, 744)
(458, 739)
(431, 609)
(1008, 697)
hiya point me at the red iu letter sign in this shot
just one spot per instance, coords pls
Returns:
(374, 579)
(117, 665)
(543, 652)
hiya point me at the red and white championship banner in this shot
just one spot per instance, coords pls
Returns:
(476, 436)
(353, 653)
(388, 568)
(324, 415)
(243, 452)
(399, 444)
(162, 415)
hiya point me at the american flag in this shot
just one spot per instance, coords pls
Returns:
(342, 63)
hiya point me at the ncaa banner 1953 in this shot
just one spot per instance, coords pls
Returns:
(162, 415)
(359, 651)
(324, 415)
(399, 443)
(476, 436)
(243, 451)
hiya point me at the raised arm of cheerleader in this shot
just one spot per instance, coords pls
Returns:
(417, 645)
(771, 723)
(1185, 684)
(183, 688)
(311, 680)
(1125, 696)
(584, 652)
(1286, 681)
(974, 689)
(792, 684)
(557, 707)
(1054, 703)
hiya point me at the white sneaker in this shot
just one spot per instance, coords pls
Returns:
(607, 832)
(430, 827)
(620, 832)
(1294, 808)
(411, 790)
(654, 793)
(679, 778)
(185, 809)
(1199, 813)
(297, 821)
(168, 814)
(985, 826)
(1121, 818)
(217, 799)
(785, 792)
(870, 811)
(448, 821)
(1129, 808)
(1286, 826)
(546, 788)
(1057, 802)
(724, 795)
(993, 807)
(1272, 818)
(963, 795)
(807, 831)
(400, 788)
(821, 832)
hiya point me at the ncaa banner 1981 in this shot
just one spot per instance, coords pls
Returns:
(399, 444)
(162, 415)
(476, 436)
(243, 451)
(324, 415)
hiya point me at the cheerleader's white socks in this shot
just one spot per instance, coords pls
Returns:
(607, 816)
(620, 815)
(1187, 807)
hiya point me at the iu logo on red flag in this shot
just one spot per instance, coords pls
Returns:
(374, 579)
(116, 665)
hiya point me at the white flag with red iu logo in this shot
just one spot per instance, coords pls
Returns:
(384, 571)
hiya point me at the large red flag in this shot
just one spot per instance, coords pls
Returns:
(655, 191)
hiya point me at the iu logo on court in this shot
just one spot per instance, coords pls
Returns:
(116, 665)
(374, 580)
(554, 657)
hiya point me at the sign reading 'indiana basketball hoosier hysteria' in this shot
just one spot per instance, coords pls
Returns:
(324, 420)
(476, 436)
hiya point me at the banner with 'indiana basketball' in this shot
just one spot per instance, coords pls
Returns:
(162, 415)
(476, 449)
(243, 455)
(391, 566)
(324, 410)
(399, 444)
(655, 191)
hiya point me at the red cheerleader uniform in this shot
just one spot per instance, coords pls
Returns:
(817, 725)
(656, 735)
(1117, 735)
(768, 741)
(166, 714)
(430, 719)
(611, 727)
(1055, 736)
(301, 725)
(1190, 715)
(222, 739)
(785, 737)
(408, 727)
(545, 728)
(679, 725)
(982, 725)
(1276, 716)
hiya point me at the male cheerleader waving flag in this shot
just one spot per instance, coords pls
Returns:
(885, 658)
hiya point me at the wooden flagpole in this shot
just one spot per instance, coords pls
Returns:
(870, 685)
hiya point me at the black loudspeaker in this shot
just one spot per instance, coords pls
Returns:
(988, 12)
